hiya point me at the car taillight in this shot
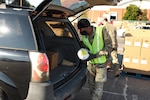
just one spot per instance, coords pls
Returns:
(40, 67)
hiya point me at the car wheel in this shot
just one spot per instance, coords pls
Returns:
(3, 96)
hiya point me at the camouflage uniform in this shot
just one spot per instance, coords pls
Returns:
(97, 74)
(109, 28)
(96, 79)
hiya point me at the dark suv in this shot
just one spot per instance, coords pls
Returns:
(38, 52)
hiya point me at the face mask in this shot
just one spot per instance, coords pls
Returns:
(83, 33)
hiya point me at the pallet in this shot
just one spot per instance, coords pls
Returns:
(136, 75)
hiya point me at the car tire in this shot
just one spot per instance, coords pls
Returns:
(3, 96)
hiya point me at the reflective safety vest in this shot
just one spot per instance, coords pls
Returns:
(96, 46)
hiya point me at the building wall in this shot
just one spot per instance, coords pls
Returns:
(95, 15)
(148, 14)
(120, 12)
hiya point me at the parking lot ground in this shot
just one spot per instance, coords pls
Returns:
(120, 88)
(124, 87)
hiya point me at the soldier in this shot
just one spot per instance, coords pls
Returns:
(98, 41)
(112, 32)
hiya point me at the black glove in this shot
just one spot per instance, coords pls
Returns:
(92, 56)
(101, 53)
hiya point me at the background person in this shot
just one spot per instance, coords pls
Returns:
(113, 35)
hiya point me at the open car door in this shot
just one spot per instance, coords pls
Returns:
(102, 2)
(69, 7)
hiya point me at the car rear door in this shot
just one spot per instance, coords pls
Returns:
(69, 7)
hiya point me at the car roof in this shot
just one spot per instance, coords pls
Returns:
(14, 11)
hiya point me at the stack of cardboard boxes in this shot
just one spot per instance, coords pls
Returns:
(136, 58)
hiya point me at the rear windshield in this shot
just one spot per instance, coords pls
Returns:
(16, 32)
(70, 4)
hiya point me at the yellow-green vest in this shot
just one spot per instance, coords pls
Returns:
(96, 46)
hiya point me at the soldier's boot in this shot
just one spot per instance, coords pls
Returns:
(117, 70)
(98, 91)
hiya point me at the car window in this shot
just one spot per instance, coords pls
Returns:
(59, 28)
(15, 32)
(70, 4)
(55, 28)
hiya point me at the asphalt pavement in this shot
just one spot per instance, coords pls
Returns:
(120, 88)
(123, 87)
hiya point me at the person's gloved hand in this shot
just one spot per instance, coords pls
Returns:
(100, 53)
(114, 57)
(91, 56)
(103, 53)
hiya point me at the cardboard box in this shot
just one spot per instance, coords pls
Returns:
(129, 30)
(145, 63)
(137, 42)
(53, 59)
(127, 61)
(145, 52)
(136, 32)
(136, 62)
(145, 33)
(128, 41)
(146, 43)
(132, 51)
(131, 62)
(136, 52)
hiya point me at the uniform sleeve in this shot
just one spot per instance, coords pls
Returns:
(111, 31)
(114, 38)
(107, 40)
(109, 46)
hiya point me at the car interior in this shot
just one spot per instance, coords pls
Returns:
(58, 38)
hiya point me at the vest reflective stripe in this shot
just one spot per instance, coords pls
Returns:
(96, 46)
